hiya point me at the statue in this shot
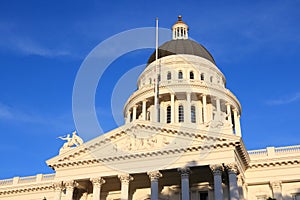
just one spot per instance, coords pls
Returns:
(75, 140)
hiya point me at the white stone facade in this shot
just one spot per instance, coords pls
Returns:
(194, 151)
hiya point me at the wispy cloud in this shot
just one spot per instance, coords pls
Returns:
(284, 100)
(10, 113)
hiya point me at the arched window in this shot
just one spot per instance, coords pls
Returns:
(191, 75)
(180, 114)
(169, 114)
(169, 76)
(193, 114)
(211, 79)
(180, 75)
(202, 77)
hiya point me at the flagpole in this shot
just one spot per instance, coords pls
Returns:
(156, 97)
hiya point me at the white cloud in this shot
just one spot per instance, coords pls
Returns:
(285, 100)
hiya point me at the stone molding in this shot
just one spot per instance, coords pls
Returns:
(154, 175)
(217, 169)
(125, 178)
(97, 181)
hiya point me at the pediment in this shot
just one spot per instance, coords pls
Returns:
(144, 139)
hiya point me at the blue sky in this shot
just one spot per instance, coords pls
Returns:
(256, 44)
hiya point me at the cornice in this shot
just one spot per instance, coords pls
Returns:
(26, 188)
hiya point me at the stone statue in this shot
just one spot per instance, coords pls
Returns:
(75, 140)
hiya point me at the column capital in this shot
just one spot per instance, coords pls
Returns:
(125, 178)
(97, 181)
(184, 172)
(232, 168)
(217, 169)
(145, 100)
(154, 175)
(70, 184)
(58, 186)
(227, 104)
(275, 184)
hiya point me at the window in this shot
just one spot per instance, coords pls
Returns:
(169, 76)
(211, 79)
(180, 114)
(180, 75)
(202, 77)
(158, 78)
(191, 75)
(203, 195)
(169, 114)
(193, 114)
(150, 81)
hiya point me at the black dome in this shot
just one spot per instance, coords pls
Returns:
(182, 46)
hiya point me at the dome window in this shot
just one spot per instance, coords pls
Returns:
(191, 75)
(169, 76)
(169, 114)
(193, 114)
(211, 79)
(150, 81)
(180, 75)
(180, 114)
(202, 77)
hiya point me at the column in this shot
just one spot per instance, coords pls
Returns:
(134, 113)
(187, 113)
(233, 186)
(128, 116)
(154, 176)
(237, 125)
(185, 185)
(144, 111)
(70, 189)
(204, 108)
(97, 183)
(218, 105)
(276, 188)
(125, 179)
(58, 187)
(172, 108)
(228, 113)
(217, 172)
(200, 117)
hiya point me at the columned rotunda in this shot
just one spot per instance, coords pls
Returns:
(182, 140)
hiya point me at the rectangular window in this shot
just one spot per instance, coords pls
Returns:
(203, 195)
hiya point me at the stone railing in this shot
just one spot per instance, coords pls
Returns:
(27, 179)
(274, 151)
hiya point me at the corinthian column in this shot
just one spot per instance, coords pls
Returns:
(233, 186)
(185, 186)
(97, 183)
(70, 189)
(154, 176)
(217, 172)
(58, 187)
(125, 179)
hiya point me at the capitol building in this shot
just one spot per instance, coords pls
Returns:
(182, 140)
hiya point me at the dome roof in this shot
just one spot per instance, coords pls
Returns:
(182, 46)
